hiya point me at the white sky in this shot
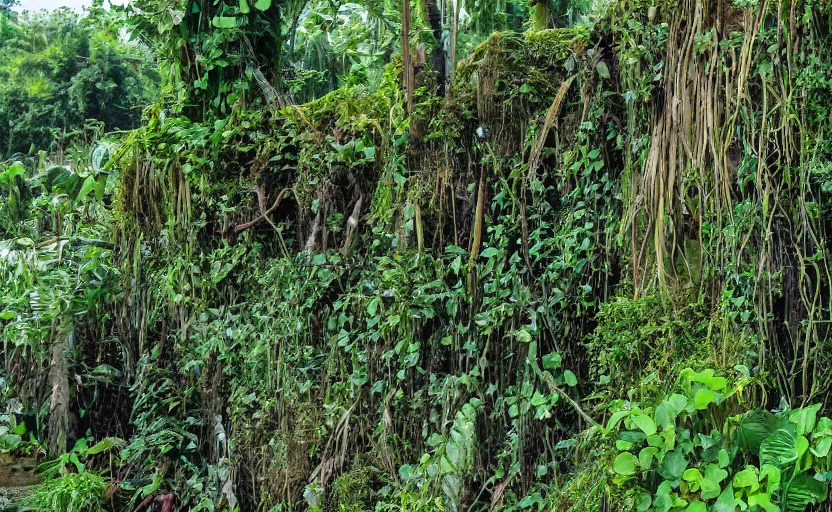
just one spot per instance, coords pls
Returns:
(49, 5)
(36, 5)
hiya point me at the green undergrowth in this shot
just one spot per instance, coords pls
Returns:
(73, 492)
(702, 449)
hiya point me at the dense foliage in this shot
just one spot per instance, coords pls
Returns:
(57, 71)
(551, 256)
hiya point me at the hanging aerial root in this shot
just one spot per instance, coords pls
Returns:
(548, 123)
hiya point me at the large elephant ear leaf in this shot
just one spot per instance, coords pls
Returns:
(752, 429)
(11, 172)
(802, 491)
(804, 418)
(780, 448)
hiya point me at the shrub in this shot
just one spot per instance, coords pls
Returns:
(72, 492)
(690, 452)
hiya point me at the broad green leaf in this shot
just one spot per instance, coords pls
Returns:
(372, 307)
(531, 357)
(692, 475)
(673, 465)
(104, 445)
(643, 501)
(762, 500)
(709, 488)
(100, 186)
(715, 473)
(244, 8)
(706, 377)
(727, 502)
(489, 252)
(780, 448)
(73, 458)
(669, 438)
(446, 466)
(86, 188)
(752, 430)
(674, 405)
(703, 398)
(824, 426)
(803, 490)
(821, 446)
(645, 457)
(616, 418)
(747, 478)
(625, 464)
(771, 475)
(602, 69)
(10, 442)
(11, 172)
(723, 458)
(262, 5)
(529, 501)
(696, 506)
(552, 361)
(801, 446)
(655, 440)
(405, 471)
(663, 415)
(645, 423)
(664, 498)
(224, 21)
(570, 378)
(804, 419)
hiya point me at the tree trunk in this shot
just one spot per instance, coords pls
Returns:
(407, 65)
(434, 16)
(59, 420)
(540, 16)
(451, 60)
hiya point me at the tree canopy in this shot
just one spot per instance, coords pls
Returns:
(58, 70)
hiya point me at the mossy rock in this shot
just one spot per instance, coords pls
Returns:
(17, 480)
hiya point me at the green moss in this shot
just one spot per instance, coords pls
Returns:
(556, 45)
(637, 337)
(353, 491)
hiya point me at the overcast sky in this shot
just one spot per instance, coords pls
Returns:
(36, 5)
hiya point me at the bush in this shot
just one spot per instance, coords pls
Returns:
(72, 492)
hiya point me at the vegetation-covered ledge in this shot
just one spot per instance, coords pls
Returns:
(589, 274)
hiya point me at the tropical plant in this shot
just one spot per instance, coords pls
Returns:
(72, 492)
(689, 452)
